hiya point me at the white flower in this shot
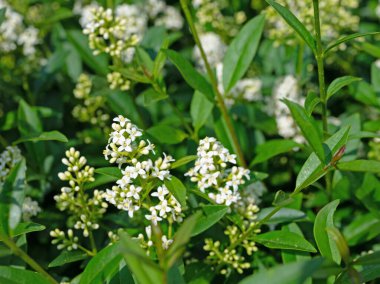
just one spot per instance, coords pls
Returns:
(134, 192)
(166, 242)
(161, 192)
(213, 47)
(163, 207)
(171, 19)
(30, 208)
(153, 216)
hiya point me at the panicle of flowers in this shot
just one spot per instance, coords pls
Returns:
(232, 255)
(14, 33)
(64, 241)
(335, 15)
(30, 209)
(8, 159)
(85, 210)
(117, 81)
(214, 175)
(90, 109)
(209, 14)
(141, 187)
(170, 18)
(286, 87)
(214, 48)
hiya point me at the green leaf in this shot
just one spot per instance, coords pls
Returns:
(143, 268)
(28, 121)
(326, 245)
(292, 273)
(313, 170)
(284, 240)
(122, 103)
(183, 161)
(339, 83)
(166, 134)
(211, 215)
(113, 172)
(102, 266)
(12, 275)
(367, 274)
(370, 166)
(200, 110)
(97, 63)
(370, 258)
(241, 52)
(281, 198)
(68, 257)
(282, 216)
(180, 240)
(191, 76)
(308, 128)
(347, 38)
(44, 136)
(312, 100)
(289, 256)
(362, 229)
(295, 24)
(27, 227)
(132, 75)
(273, 148)
(176, 187)
(12, 196)
(2, 15)
(151, 96)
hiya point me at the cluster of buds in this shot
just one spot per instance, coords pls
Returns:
(8, 159)
(213, 174)
(85, 210)
(117, 81)
(231, 256)
(141, 186)
(69, 242)
(90, 109)
(335, 15)
(30, 209)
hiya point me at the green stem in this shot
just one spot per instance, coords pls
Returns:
(25, 257)
(319, 56)
(219, 97)
(92, 242)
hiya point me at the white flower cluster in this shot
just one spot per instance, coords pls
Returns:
(30, 208)
(118, 32)
(286, 87)
(86, 211)
(214, 48)
(335, 16)
(14, 33)
(213, 175)
(8, 159)
(141, 185)
(148, 243)
(117, 81)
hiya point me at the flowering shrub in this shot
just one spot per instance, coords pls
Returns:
(197, 141)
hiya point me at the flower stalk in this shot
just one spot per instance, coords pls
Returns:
(214, 83)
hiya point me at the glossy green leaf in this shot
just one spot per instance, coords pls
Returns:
(97, 63)
(292, 273)
(289, 256)
(295, 24)
(166, 134)
(113, 172)
(308, 128)
(13, 275)
(12, 196)
(176, 187)
(27, 227)
(102, 266)
(312, 100)
(200, 110)
(284, 240)
(68, 257)
(326, 245)
(44, 136)
(347, 38)
(369, 166)
(142, 267)
(282, 216)
(180, 240)
(339, 83)
(367, 273)
(151, 96)
(183, 161)
(273, 148)
(312, 170)
(211, 214)
(241, 51)
(191, 76)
